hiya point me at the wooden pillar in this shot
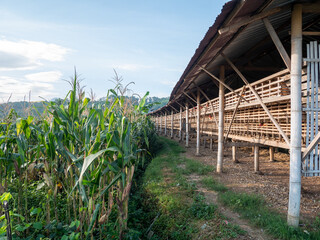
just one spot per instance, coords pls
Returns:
(171, 134)
(180, 130)
(165, 123)
(198, 124)
(256, 158)
(271, 154)
(221, 122)
(234, 152)
(211, 143)
(187, 125)
(296, 117)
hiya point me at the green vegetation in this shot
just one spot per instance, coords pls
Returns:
(255, 209)
(210, 183)
(68, 172)
(167, 205)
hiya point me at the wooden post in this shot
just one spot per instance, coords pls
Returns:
(296, 117)
(221, 122)
(187, 125)
(211, 143)
(198, 123)
(234, 153)
(256, 158)
(165, 123)
(180, 131)
(271, 154)
(160, 129)
(171, 135)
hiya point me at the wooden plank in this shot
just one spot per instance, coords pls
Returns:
(241, 144)
(276, 40)
(234, 113)
(252, 19)
(311, 33)
(259, 99)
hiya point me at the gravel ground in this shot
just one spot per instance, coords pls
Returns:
(272, 183)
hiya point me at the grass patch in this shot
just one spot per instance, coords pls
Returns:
(211, 184)
(254, 208)
(167, 206)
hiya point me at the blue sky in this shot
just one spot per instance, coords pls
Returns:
(147, 42)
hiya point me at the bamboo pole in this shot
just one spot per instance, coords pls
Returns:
(256, 158)
(221, 122)
(222, 82)
(205, 95)
(165, 123)
(234, 113)
(296, 117)
(171, 133)
(274, 121)
(283, 53)
(271, 154)
(234, 154)
(198, 124)
(180, 130)
(187, 125)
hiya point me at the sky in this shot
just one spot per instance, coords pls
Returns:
(147, 42)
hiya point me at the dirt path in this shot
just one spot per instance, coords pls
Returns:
(272, 184)
(234, 218)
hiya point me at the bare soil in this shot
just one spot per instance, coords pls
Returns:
(272, 183)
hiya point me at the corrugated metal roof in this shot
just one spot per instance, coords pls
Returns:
(234, 44)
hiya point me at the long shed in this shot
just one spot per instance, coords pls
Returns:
(254, 79)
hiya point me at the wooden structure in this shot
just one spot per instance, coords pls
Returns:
(254, 80)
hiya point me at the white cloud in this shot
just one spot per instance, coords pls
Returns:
(51, 76)
(24, 54)
(168, 83)
(133, 67)
(38, 84)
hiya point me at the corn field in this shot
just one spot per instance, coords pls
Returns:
(81, 157)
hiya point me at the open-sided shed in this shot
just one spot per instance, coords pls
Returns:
(254, 79)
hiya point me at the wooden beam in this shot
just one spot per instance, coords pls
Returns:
(198, 124)
(221, 123)
(241, 144)
(252, 19)
(276, 40)
(258, 98)
(189, 97)
(173, 107)
(180, 105)
(311, 33)
(205, 95)
(311, 146)
(234, 113)
(225, 85)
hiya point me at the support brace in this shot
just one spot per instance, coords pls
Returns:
(274, 121)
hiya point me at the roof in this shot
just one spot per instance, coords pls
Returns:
(249, 47)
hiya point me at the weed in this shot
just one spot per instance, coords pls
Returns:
(200, 210)
(210, 183)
